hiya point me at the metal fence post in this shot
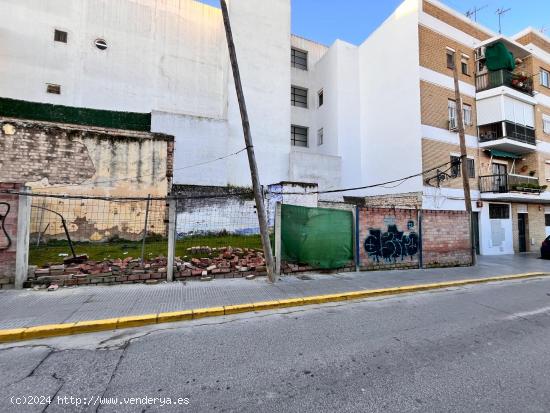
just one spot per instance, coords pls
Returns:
(145, 228)
(278, 215)
(23, 235)
(171, 239)
(357, 241)
(420, 246)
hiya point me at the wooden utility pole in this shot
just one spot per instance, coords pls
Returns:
(463, 155)
(260, 207)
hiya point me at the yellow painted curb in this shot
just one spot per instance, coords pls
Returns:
(15, 334)
(91, 326)
(208, 312)
(136, 321)
(266, 305)
(240, 308)
(175, 316)
(50, 330)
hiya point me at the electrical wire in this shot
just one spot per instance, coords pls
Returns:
(147, 175)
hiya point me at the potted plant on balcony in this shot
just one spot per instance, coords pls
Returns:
(532, 173)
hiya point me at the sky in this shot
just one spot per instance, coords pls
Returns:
(325, 21)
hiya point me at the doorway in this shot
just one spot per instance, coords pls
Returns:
(475, 231)
(500, 178)
(522, 231)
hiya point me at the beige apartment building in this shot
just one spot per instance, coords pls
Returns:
(388, 111)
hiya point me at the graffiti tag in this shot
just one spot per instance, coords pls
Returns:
(5, 240)
(392, 245)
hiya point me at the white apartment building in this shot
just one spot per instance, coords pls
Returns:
(342, 116)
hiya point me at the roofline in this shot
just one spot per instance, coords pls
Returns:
(462, 17)
(532, 30)
(309, 40)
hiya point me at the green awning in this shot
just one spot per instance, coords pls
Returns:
(503, 154)
(499, 57)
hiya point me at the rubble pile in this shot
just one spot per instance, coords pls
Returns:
(224, 262)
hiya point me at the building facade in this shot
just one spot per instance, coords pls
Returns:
(392, 113)
(340, 116)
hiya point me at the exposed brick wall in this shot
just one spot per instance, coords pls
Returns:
(437, 153)
(394, 239)
(445, 239)
(455, 22)
(434, 102)
(536, 40)
(7, 256)
(411, 200)
(433, 54)
(388, 238)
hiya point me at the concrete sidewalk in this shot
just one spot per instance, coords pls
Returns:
(20, 309)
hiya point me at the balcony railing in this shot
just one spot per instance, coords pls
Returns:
(501, 184)
(510, 130)
(518, 81)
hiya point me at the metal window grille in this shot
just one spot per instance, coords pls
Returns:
(320, 136)
(321, 97)
(53, 89)
(499, 211)
(60, 36)
(299, 136)
(299, 59)
(298, 97)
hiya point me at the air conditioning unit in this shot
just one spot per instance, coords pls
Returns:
(453, 125)
(480, 53)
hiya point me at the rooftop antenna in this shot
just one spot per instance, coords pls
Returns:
(473, 12)
(501, 12)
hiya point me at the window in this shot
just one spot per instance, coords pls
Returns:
(299, 136)
(547, 170)
(471, 168)
(456, 167)
(298, 96)
(451, 106)
(545, 78)
(467, 109)
(320, 137)
(321, 96)
(499, 211)
(298, 59)
(465, 65)
(546, 124)
(450, 58)
(53, 89)
(466, 114)
(101, 44)
(60, 36)
(547, 220)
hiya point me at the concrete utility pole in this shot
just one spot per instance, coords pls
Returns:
(463, 154)
(260, 207)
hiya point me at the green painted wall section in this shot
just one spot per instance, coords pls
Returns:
(46, 112)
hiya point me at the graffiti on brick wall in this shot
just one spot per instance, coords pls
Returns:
(392, 246)
(5, 240)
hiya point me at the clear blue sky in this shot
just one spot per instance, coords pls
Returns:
(353, 20)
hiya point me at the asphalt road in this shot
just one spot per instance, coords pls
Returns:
(476, 349)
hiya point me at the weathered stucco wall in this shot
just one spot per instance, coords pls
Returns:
(63, 159)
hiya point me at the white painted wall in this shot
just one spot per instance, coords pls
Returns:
(390, 102)
(495, 236)
(168, 57)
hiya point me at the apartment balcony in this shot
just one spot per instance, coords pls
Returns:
(510, 183)
(520, 81)
(508, 136)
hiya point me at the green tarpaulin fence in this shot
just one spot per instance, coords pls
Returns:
(321, 238)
